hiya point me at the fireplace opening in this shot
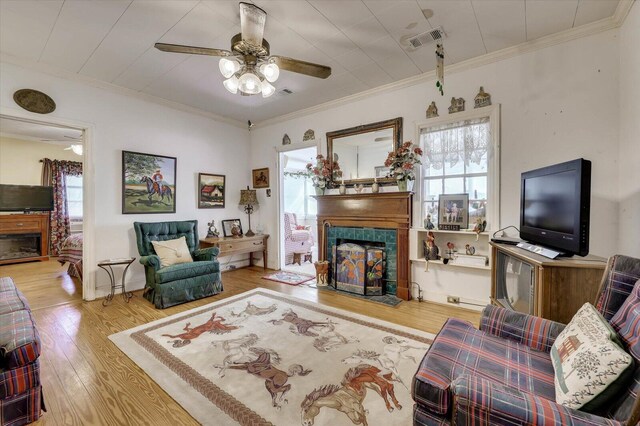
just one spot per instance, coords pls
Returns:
(359, 267)
(18, 246)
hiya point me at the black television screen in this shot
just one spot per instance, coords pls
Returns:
(25, 198)
(555, 206)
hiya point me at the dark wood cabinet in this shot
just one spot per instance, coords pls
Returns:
(556, 288)
(24, 238)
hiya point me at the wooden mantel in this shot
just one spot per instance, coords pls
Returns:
(392, 210)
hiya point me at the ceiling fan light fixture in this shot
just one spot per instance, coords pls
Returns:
(228, 67)
(267, 89)
(249, 83)
(76, 148)
(231, 84)
(270, 71)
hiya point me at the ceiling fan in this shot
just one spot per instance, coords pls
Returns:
(248, 66)
(75, 147)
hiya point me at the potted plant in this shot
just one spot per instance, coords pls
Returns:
(402, 162)
(322, 173)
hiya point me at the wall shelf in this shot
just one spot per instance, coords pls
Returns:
(456, 265)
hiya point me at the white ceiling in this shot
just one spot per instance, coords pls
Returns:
(364, 41)
(39, 132)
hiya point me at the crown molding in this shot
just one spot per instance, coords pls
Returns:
(90, 81)
(612, 22)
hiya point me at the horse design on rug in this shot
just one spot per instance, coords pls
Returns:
(393, 353)
(237, 351)
(324, 332)
(349, 396)
(213, 325)
(275, 380)
(253, 310)
(155, 188)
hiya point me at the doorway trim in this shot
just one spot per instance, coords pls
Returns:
(88, 194)
(279, 168)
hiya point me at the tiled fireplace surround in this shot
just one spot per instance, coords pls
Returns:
(383, 217)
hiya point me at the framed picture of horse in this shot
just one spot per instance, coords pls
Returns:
(210, 191)
(148, 183)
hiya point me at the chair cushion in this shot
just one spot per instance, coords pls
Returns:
(172, 252)
(590, 365)
(627, 322)
(300, 235)
(186, 270)
(461, 349)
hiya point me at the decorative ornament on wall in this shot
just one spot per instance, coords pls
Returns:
(286, 140)
(440, 68)
(432, 110)
(482, 99)
(457, 105)
(34, 101)
(309, 135)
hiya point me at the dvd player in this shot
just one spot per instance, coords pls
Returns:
(507, 240)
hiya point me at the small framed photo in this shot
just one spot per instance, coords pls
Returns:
(260, 178)
(210, 191)
(228, 227)
(453, 211)
(382, 171)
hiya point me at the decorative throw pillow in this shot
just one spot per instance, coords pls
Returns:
(172, 252)
(627, 321)
(589, 362)
(300, 227)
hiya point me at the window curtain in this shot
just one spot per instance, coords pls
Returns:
(54, 173)
(466, 141)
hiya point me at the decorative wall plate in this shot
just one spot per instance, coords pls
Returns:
(432, 111)
(457, 105)
(309, 135)
(34, 101)
(286, 140)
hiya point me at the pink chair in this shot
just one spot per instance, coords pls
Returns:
(297, 239)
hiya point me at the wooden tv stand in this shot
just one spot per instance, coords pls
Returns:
(17, 225)
(559, 286)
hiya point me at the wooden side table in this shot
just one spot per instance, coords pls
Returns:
(229, 246)
(107, 266)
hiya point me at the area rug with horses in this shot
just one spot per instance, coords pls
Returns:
(263, 357)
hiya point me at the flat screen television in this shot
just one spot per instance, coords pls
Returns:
(555, 204)
(16, 198)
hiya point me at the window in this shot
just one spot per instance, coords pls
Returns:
(74, 197)
(297, 191)
(459, 159)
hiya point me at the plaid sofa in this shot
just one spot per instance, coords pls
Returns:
(502, 373)
(20, 389)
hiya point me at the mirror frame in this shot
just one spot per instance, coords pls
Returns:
(395, 124)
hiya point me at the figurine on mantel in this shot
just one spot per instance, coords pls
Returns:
(375, 187)
(428, 224)
(358, 187)
(342, 189)
(213, 231)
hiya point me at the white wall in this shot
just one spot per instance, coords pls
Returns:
(629, 149)
(127, 123)
(558, 103)
(20, 160)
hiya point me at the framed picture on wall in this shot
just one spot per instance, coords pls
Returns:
(210, 191)
(148, 183)
(453, 211)
(260, 178)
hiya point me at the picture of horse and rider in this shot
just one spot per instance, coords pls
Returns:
(148, 183)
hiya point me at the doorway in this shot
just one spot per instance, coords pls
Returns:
(298, 224)
(36, 155)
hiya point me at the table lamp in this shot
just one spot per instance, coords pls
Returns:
(248, 200)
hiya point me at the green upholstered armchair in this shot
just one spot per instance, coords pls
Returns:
(183, 282)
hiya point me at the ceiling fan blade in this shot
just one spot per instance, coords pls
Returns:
(192, 50)
(301, 67)
(252, 20)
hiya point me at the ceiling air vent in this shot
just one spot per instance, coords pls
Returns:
(427, 37)
(285, 92)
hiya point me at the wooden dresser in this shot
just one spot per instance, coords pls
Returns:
(16, 226)
(229, 246)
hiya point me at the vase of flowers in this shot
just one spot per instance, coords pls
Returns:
(323, 173)
(402, 164)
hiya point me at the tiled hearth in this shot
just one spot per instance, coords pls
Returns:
(369, 235)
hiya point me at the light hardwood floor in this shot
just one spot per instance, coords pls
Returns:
(88, 381)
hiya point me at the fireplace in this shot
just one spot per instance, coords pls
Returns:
(359, 267)
(18, 246)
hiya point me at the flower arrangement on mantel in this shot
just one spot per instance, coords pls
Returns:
(402, 164)
(323, 172)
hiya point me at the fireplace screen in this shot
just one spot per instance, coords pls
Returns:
(17, 246)
(359, 268)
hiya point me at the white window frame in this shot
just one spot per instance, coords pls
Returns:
(493, 160)
(76, 219)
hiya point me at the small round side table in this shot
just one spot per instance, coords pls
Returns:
(107, 266)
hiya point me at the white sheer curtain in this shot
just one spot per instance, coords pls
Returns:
(465, 141)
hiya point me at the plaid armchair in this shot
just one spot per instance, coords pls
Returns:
(502, 374)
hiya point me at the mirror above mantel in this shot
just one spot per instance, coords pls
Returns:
(362, 151)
